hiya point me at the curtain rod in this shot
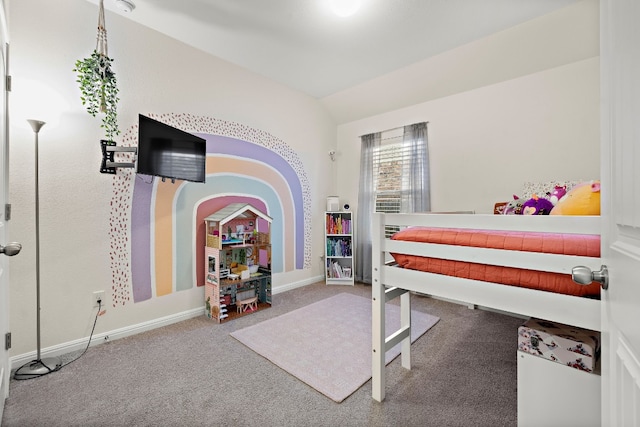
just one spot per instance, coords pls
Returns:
(389, 130)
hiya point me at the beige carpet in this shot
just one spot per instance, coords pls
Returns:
(327, 344)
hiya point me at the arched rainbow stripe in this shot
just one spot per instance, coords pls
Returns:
(165, 217)
(131, 250)
(185, 227)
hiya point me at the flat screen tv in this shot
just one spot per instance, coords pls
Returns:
(167, 152)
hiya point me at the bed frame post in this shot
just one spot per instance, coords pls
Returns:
(405, 324)
(378, 311)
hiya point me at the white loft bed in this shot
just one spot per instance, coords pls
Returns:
(389, 282)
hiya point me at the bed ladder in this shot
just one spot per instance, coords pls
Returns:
(380, 295)
(381, 343)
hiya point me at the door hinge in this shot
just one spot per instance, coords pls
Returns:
(8, 82)
(7, 212)
(7, 341)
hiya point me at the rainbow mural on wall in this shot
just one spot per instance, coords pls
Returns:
(157, 228)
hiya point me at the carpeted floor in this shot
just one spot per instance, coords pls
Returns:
(194, 373)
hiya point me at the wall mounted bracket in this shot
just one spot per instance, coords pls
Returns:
(109, 148)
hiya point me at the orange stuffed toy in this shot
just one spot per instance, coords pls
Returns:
(583, 199)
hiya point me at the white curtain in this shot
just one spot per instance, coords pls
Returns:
(366, 205)
(416, 195)
(415, 191)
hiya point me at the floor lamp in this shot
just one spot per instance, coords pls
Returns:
(38, 367)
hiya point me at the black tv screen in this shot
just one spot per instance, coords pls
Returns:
(168, 152)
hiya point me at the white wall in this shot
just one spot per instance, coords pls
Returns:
(156, 74)
(486, 142)
(559, 38)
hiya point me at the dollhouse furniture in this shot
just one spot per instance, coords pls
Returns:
(237, 261)
(249, 304)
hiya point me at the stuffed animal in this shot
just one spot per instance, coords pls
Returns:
(537, 206)
(514, 207)
(557, 194)
(583, 199)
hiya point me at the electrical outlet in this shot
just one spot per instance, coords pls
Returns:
(98, 296)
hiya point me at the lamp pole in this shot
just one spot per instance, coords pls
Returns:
(37, 367)
(36, 125)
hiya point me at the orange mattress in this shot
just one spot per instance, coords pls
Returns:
(555, 243)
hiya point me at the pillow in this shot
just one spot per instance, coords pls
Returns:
(583, 199)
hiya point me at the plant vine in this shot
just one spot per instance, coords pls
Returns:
(99, 90)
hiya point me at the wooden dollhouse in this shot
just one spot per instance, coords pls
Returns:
(237, 262)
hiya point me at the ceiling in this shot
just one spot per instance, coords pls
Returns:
(303, 45)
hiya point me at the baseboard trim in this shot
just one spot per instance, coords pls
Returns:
(80, 344)
(290, 286)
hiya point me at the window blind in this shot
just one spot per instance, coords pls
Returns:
(393, 162)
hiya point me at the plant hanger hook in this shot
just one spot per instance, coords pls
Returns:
(101, 42)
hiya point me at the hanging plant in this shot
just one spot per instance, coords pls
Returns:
(99, 89)
(98, 84)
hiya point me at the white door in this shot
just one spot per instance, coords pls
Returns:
(620, 169)
(4, 179)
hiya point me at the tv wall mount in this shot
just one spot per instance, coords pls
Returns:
(109, 148)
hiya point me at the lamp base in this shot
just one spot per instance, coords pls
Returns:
(37, 368)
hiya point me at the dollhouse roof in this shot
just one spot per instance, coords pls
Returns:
(237, 210)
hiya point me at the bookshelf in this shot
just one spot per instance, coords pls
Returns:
(339, 248)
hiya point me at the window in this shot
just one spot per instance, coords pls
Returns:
(387, 178)
(397, 161)
(394, 177)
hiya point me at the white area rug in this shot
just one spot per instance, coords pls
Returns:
(327, 344)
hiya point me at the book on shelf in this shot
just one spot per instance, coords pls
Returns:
(337, 224)
(337, 271)
(338, 247)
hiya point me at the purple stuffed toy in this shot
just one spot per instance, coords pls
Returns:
(537, 206)
(557, 194)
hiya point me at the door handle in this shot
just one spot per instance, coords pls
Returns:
(11, 249)
(584, 276)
